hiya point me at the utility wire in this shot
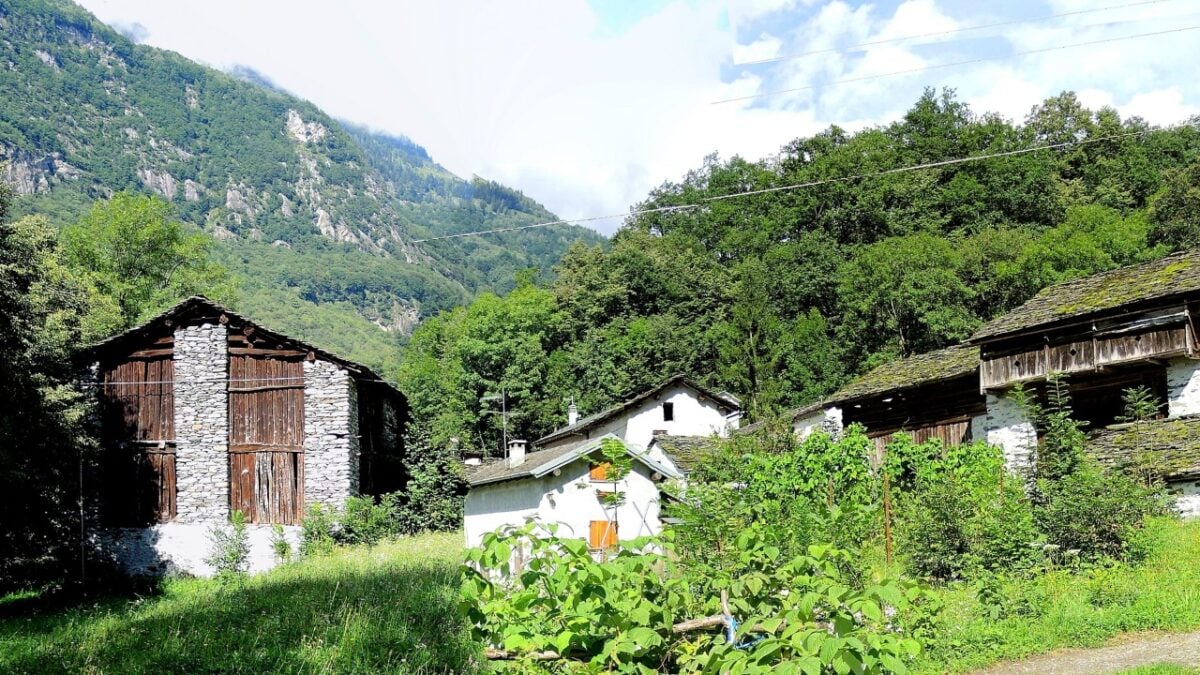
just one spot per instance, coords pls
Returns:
(953, 64)
(209, 380)
(799, 186)
(918, 36)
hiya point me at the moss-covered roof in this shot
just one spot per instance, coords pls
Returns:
(687, 452)
(942, 364)
(1169, 448)
(1175, 274)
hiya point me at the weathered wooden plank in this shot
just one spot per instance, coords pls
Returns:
(267, 351)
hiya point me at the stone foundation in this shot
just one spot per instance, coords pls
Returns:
(202, 424)
(181, 548)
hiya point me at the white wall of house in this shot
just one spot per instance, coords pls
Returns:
(1183, 387)
(692, 417)
(828, 420)
(568, 500)
(1187, 497)
(1007, 426)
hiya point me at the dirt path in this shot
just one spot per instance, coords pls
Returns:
(1181, 649)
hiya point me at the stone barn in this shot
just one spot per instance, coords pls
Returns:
(203, 412)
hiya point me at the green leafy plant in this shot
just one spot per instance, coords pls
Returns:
(280, 546)
(627, 612)
(317, 530)
(229, 554)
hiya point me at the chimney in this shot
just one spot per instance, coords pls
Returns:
(516, 452)
(572, 414)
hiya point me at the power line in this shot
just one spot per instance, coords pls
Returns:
(827, 181)
(918, 36)
(210, 380)
(953, 64)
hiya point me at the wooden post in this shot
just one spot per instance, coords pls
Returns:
(887, 517)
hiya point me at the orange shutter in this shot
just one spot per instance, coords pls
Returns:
(599, 471)
(603, 534)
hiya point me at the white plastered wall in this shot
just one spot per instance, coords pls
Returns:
(692, 417)
(1008, 427)
(1183, 387)
(568, 500)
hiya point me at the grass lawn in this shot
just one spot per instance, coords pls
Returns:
(1085, 609)
(390, 608)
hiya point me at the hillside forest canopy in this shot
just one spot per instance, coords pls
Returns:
(781, 297)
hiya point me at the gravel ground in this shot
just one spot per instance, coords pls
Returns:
(1181, 649)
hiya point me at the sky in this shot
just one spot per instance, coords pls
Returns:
(588, 105)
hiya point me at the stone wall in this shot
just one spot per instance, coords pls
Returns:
(202, 423)
(331, 443)
(1007, 427)
(1183, 387)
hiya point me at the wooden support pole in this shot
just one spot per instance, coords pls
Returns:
(887, 517)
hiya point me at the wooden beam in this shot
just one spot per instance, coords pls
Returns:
(152, 353)
(252, 351)
(262, 447)
(266, 387)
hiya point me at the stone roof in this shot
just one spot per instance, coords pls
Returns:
(200, 304)
(541, 462)
(1174, 275)
(1170, 448)
(913, 371)
(722, 399)
(687, 451)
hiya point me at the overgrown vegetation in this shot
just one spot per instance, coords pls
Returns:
(229, 553)
(390, 608)
(832, 555)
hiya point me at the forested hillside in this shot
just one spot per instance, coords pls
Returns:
(312, 213)
(780, 297)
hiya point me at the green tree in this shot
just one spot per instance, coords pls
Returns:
(1175, 212)
(904, 296)
(42, 419)
(133, 250)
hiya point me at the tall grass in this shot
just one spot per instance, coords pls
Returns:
(386, 608)
(1063, 608)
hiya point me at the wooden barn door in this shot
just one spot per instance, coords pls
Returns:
(138, 407)
(266, 436)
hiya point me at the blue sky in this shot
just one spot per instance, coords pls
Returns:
(588, 104)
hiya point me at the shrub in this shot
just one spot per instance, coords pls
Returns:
(365, 520)
(280, 545)
(1096, 512)
(230, 547)
(317, 530)
(960, 511)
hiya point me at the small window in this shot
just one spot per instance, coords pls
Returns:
(602, 535)
(668, 412)
(599, 471)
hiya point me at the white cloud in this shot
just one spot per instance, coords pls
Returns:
(587, 121)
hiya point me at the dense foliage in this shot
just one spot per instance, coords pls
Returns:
(620, 613)
(780, 297)
(818, 549)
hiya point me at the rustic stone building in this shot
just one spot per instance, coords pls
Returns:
(1133, 327)
(204, 412)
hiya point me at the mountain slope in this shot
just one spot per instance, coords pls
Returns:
(299, 200)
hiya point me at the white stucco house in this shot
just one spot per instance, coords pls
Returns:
(561, 481)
